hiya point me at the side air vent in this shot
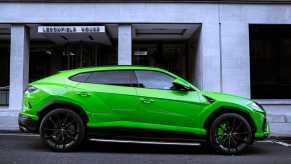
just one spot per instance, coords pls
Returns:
(210, 100)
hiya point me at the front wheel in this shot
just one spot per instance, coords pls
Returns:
(230, 133)
(62, 130)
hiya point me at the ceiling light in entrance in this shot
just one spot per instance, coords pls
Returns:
(140, 53)
(160, 31)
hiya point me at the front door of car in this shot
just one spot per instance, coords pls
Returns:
(111, 96)
(164, 107)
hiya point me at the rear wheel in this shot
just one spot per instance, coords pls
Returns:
(230, 133)
(62, 130)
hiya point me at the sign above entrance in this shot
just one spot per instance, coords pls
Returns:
(70, 29)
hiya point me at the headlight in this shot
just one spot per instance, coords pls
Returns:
(31, 89)
(256, 107)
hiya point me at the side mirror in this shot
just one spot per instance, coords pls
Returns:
(181, 86)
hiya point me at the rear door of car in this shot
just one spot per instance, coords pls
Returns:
(111, 95)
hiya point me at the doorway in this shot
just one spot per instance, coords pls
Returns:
(165, 46)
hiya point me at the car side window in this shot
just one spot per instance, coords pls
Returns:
(81, 77)
(154, 79)
(118, 77)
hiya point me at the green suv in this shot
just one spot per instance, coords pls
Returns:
(137, 104)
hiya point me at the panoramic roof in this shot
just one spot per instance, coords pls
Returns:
(157, 1)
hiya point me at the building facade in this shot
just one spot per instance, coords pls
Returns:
(238, 47)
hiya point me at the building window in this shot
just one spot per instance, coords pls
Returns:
(270, 49)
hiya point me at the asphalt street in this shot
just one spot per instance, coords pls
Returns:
(28, 149)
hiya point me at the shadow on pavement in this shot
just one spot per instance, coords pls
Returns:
(128, 148)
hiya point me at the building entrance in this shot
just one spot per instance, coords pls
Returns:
(168, 46)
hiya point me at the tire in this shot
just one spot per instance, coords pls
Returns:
(62, 130)
(230, 133)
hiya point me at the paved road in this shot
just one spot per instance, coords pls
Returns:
(15, 149)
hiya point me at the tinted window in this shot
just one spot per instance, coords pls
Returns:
(123, 78)
(154, 79)
(81, 77)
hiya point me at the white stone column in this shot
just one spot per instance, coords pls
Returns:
(19, 65)
(208, 58)
(235, 58)
(124, 45)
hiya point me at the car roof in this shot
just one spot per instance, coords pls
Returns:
(71, 72)
(115, 67)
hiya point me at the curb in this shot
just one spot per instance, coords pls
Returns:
(279, 137)
(10, 131)
(15, 132)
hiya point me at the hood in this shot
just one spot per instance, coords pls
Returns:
(218, 96)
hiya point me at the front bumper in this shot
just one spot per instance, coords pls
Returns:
(264, 134)
(27, 123)
(263, 131)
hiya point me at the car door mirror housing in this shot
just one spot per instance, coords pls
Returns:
(181, 86)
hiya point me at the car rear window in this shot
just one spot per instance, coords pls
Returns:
(121, 77)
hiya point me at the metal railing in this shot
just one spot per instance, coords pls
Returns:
(4, 96)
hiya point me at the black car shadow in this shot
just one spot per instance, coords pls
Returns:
(132, 148)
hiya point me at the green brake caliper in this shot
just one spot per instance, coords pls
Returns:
(220, 133)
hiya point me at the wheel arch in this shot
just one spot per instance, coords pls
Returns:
(223, 110)
(63, 104)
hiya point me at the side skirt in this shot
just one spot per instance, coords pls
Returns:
(146, 142)
(134, 135)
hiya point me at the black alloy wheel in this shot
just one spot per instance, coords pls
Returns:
(230, 133)
(62, 130)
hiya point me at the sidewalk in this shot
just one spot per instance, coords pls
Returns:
(8, 119)
(280, 123)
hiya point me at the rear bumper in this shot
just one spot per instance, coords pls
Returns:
(27, 123)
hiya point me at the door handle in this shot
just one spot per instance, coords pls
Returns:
(147, 100)
(83, 94)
